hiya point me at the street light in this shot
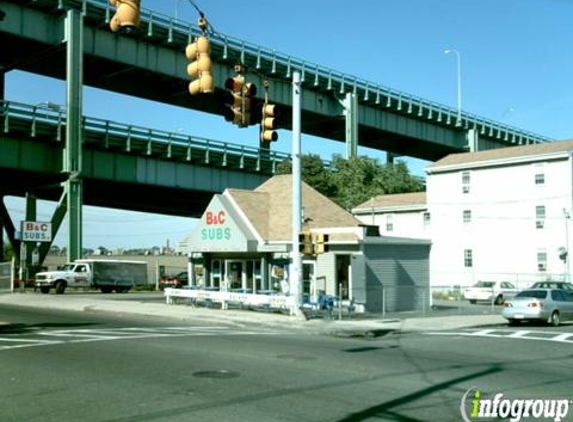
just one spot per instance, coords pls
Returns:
(457, 53)
(48, 105)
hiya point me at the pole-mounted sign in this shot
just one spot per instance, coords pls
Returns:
(35, 231)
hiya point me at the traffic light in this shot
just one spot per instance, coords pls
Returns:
(320, 243)
(305, 243)
(198, 52)
(239, 99)
(126, 17)
(268, 122)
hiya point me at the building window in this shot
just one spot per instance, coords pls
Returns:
(542, 261)
(468, 258)
(539, 174)
(467, 216)
(389, 223)
(465, 182)
(426, 217)
(540, 216)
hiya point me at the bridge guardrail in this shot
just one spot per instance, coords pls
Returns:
(41, 120)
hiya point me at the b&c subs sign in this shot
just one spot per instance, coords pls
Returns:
(35, 231)
(216, 229)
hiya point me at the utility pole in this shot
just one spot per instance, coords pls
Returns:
(295, 272)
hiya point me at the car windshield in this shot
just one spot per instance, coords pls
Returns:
(485, 284)
(67, 267)
(537, 294)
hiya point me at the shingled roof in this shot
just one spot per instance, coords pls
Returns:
(502, 154)
(269, 209)
(398, 200)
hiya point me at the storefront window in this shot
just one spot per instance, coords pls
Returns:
(216, 273)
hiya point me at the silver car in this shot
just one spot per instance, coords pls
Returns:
(553, 285)
(550, 305)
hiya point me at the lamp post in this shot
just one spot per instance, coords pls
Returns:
(459, 60)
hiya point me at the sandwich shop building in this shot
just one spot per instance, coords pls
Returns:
(240, 251)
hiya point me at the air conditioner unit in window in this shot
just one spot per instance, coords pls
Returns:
(465, 189)
(542, 267)
(539, 224)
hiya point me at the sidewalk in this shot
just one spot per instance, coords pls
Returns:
(358, 327)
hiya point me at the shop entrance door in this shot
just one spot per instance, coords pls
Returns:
(309, 281)
(342, 276)
(234, 270)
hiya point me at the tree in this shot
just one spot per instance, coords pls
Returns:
(8, 252)
(354, 181)
(314, 173)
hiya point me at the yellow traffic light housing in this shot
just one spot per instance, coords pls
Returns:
(268, 123)
(198, 52)
(127, 15)
(320, 243)
(305, 243)
(239, 99)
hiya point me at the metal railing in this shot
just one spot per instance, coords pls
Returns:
(6, 276)
(38, 121)
(166, 29)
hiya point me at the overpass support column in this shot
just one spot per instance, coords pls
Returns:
(73, 150)
(350, 106)
(473, 140)
(31, 215)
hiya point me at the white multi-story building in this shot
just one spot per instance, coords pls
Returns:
(401, 214)
(500, 214)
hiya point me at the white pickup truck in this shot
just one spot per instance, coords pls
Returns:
(106, 275)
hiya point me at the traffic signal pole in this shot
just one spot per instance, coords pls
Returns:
(296, 262)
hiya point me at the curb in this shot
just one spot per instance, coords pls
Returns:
(367, 329)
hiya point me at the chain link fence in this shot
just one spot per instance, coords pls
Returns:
(470, 278)
(6, 274)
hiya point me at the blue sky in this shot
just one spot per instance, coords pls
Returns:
(516, 68)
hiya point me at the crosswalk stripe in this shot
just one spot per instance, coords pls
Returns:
(103, 334)
(506, 334)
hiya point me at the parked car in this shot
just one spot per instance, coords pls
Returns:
(176, 281)
(550, 305)
(497, 291)
(553, 285)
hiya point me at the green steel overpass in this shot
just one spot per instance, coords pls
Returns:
(142, 169)
(124, 166)
(151, 64)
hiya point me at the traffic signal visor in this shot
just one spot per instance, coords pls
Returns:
(239, 100)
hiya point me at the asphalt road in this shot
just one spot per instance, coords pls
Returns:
(58, 366)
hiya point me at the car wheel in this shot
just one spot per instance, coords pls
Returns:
(45, 289)
(473, 301)
(60, 287)
(499, 300)
(512, 322)
(555, 319)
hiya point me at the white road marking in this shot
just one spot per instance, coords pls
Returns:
(106, 334)
(511, 334)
